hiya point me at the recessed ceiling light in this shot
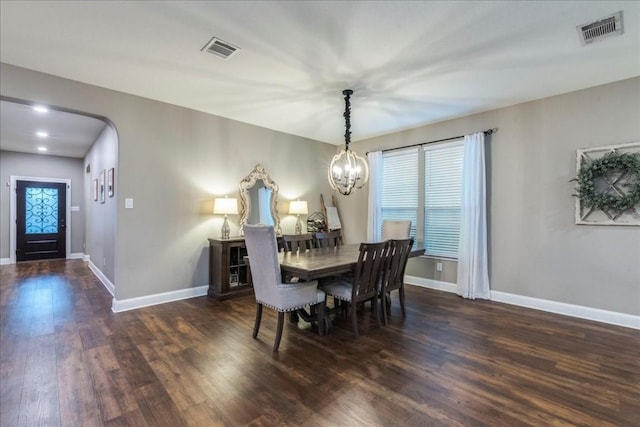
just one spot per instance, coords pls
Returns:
(42, 148)
(40, 108)
(42, 134)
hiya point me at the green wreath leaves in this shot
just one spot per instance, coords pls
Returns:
(605, 167)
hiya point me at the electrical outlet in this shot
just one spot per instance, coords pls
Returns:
(439, 266)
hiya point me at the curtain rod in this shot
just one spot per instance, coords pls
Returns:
(486, 132)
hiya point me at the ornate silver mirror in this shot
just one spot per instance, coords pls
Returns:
(259, 200)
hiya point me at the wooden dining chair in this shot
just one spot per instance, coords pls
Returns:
(327, 239)
(262, 249)
(398, 251)
(394, 229)
(297, 242)
(364, 285)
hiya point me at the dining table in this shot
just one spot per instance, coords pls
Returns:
(318, 263)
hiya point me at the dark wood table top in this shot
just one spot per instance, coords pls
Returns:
(324, 262)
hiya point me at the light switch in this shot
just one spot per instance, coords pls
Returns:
(75, 208)
(128, 203)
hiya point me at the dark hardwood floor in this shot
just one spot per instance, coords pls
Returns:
(67, 360)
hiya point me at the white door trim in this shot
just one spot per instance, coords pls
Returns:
(13, 215)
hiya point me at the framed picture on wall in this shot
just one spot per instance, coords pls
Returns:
(110, 177)
(101, 186)
(95, 190)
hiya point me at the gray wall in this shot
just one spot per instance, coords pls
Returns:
(173, 161)
(536, 249)
(41, 166)
(101, 218)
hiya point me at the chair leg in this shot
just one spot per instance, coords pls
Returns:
(374, 306)
(401, 295)
(293, 317)
(383, 303)
(354, 320)
(321, 318)
(256, 325)
(279, 330)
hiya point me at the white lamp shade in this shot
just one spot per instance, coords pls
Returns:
(298, 207)
(225, 206)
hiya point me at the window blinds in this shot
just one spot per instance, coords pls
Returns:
(442, 198)
(399, 197)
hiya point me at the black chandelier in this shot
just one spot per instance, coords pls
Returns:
(347, 170)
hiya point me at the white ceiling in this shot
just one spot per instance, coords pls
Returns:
(410, 63)
(69, 135)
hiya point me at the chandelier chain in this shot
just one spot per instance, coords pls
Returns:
(347, 116)
(347, 170)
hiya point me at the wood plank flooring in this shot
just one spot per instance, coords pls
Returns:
(67, 360)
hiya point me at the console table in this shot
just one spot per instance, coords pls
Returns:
(229, 276)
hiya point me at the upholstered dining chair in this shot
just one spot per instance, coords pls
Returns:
(297, 242)
(392, 229)
(327, 239)
(364, 284)
(262, 249)
(393, 279)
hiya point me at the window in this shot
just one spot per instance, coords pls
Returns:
(399, 196)
(41, 210)
(442, 198)
(433, 181)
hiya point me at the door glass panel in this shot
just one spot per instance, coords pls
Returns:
(41, 213)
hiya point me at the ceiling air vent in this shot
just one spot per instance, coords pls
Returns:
(606, 27)
(220, 48)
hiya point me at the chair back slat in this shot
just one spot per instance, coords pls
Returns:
(368, 270)
(329, 239)
(297, 242)
(396, 263)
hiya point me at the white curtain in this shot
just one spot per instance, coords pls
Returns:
(374, 224)
(473, 272)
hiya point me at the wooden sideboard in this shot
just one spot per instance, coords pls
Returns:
(229, 276)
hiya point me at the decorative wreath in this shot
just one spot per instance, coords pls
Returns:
(627, 164)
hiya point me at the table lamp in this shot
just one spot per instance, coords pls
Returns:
(297, 207)
(225, 206)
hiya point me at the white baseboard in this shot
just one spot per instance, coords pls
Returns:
(118, 306)
(147, 300)
(75, 255)
(431, 284)
(588, 313)
(86, 258)
(105, 281)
